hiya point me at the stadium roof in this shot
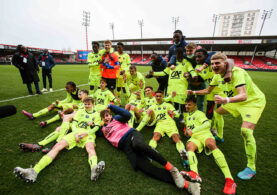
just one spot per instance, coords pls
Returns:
(241, 43)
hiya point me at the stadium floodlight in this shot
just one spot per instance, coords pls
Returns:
(215, 19)
(112, 27)
(175, 20)
(86, 22)
(141, 24)
(266, 15)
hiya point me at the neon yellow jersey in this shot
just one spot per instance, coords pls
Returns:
(82, 118)
(161, 112)
(149, 102)
(206, 74)
(194, 120)
(124, 61)
(239, 78)
(102, 98)
(133, 81)
(176, 80)
(93, 63)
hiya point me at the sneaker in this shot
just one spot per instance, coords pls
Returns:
(31, 93)
(50, 90)
(29, 175)
(194, 188)
(43, 124)
(29, 115)
(44, 90)
(191, 176)
(39, 93)
(218, 139)
(177, 177)
(97, 170)
(185, 158)
(230, 186)
(246, 174)
(214, 131)
(30, 147)
(61, 114)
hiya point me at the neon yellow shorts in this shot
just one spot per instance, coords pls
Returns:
(70, 138)
(119, 81)
(200, 141)
(250, 112)
(169, 129)
(94, 80)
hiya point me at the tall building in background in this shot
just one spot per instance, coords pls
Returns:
(238, 23)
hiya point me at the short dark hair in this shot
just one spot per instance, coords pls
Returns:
(154, 53)
(150, 87)
(178, 31)
(89, 99)
(159, 91)
(84, 91)
(104, 112)
(72, 84)
(191, 98)
(202, 50)
(133, 67)
(120, 43)
(95, 42)
(104, 80)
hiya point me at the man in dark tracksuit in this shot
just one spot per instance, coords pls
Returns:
(46, 61)
(159, 64)
(117, 131)
(26, 64)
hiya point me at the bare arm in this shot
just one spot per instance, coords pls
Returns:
(201, 92)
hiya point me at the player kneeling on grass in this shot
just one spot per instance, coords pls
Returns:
(117, 131)
(161, 112)
(71, 100)
(59, 132)
(85, 123)
(244, 98)
(198, 129)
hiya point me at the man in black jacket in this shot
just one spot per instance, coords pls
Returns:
(159, 64)
(26, 63)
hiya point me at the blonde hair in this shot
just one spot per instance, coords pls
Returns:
(219, 55)
(108, 42)
(191, 45)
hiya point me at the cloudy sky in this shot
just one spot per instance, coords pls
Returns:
(57, 24)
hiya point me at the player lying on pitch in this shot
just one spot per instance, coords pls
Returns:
(117, 131)
(85, 123)
(71, 100)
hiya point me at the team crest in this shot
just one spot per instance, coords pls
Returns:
(205, 72)
(159, 108)
(248, 115)
(193, 118)
(87, 116)
(189, 118)
(164, 108)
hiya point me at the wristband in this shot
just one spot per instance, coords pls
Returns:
(193, 92)
(228, 100)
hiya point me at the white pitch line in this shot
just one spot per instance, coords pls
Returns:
(27, 96)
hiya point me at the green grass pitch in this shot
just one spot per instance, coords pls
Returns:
(70, 173)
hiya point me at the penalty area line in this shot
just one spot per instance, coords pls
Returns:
(27, 96)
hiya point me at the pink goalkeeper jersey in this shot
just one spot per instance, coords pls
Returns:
(115, 131)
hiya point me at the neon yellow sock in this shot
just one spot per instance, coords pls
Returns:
(51, 137)
(41, 112)
(143, 122)
(92, 161)
(193, 162)
(221, 162)
(44, 161)
(180, 146)
(219, 121)
(153, 143)
(250, 147)
(63, 130)
(53, 119)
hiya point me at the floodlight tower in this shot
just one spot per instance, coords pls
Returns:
(266, 15)
(86, 21)
(112, 27)
(175, 20)
(215, 19)
(141, 24)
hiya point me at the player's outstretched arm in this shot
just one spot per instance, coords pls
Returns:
(122, 115)
(201, 92)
